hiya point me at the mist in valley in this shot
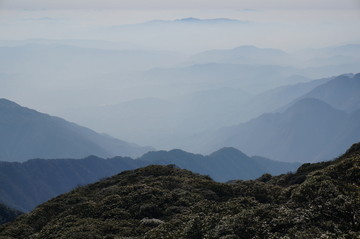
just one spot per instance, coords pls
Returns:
(182, 77)
(179, 119)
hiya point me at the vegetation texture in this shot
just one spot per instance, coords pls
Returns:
(320, 200)
(26, 185)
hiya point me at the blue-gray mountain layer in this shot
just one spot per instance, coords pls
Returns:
(27, 134)
(317, 126)
(26, 185)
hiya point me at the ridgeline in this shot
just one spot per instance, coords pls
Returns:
(320, 200)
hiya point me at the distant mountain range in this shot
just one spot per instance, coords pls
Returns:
(275, 99)
(245, 55)
(25, 185)
(210, 20)
(223, 165)
(190, 21)
(27, 134)
(342, 93)
(306, 130)
(178, 121)
(109, 90)
(327, 106)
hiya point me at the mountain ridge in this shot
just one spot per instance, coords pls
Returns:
(27, 133)
(27, 184)
(318, 200)
(342, 92)
(307, 129)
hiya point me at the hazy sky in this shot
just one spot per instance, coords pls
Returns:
(275, 23)
(51, 82)
(184, 4)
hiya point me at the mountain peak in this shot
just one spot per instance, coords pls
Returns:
(162, 200)
(165, 155)
(342, 92)
(253, 49)
(246, 47)
(188, 19)
(309, 105)
(229, 152)
(357, 76)
(28, 134)
(355, 148)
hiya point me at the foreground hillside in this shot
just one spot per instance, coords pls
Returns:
(318, 201)
(27, 134)
(26, 185)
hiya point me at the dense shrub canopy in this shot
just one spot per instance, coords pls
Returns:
(318, 201)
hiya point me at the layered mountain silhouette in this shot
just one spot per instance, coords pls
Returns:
(305, 130)
(342, 93)
(275, 99)
(170, 121)
(304, 133)
(223, 165)
(27, 134)
(25, 185)
(319, 200)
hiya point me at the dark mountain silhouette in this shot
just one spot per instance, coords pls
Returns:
(319, 200)
(25, 185)
(308, 131)
(8, 214)
(222, 165)
(26, 134)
